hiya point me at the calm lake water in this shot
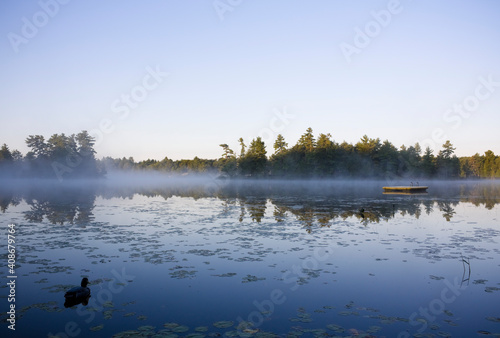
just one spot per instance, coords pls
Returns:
(206, 258)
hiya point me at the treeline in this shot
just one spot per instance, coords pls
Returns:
(58, 157)
(195, 165)
(73, 156)
(322, 157)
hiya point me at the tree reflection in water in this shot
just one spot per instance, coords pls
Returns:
(313, 204)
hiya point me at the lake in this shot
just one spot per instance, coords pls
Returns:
(206, 258)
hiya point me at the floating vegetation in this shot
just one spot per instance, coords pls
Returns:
(491, 289)
(450, 322)
(374, 329)
(96, 328)
(146, 328)
(129, 303)
(436, 277)
(336, 328)
(128, 334)
(47, 307)
(207, 253)
(165, 334)
(180, 329)
(108, 314)
(181, 274)
(54, 269)
(229, 274)
(250, 278)
(209, 244)
(223, 324)
(479, 281)
(58, 288)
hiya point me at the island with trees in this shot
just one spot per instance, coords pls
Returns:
(73, 156)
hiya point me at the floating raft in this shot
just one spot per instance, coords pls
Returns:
(403, 189)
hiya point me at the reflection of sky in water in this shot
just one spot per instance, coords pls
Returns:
(202, 259)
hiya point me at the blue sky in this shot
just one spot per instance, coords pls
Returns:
(177, 78)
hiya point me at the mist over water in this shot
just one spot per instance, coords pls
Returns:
(208, 256)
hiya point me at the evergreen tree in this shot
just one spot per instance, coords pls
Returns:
(428, 163)
(448, 164)
(243, 147)
(306, 141)
(280, 145)
(5, 154)
(255, 160)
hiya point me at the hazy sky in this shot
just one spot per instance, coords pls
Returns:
(177, 78)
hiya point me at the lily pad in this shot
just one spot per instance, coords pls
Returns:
(223, 324)
(96, 328)
(180, 329)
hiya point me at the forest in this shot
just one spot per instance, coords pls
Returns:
(73, 156)
(60, 157)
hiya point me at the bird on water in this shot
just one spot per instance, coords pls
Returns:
(78, 294)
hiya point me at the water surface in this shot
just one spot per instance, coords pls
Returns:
(210, 258)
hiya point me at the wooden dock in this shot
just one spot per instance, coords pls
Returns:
(406, 189)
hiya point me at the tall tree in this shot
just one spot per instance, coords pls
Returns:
(5, 154)
(280, 145)
(447, 151)
(227, 151)
(306, 141)
(447, 163)
(255, 160)
(38, 146)
(227, 164)
(368, 146)
(243, 147)
(325, 141)
(428, 163)
(85, 144)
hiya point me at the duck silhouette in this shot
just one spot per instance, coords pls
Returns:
(78, 294)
